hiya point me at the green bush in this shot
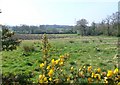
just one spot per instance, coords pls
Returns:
(28, 48)
(8, 42)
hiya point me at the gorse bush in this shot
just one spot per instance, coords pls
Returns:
(8, 43)
(54, 70)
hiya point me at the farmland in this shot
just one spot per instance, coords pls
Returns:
(97, 51)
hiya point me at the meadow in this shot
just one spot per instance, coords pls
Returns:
(23, 63)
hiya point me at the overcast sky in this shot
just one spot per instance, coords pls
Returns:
(61, 12)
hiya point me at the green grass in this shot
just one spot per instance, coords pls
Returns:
(93, 52)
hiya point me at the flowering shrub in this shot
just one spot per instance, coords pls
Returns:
(53, 71)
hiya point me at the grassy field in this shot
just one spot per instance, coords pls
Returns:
(98, 51)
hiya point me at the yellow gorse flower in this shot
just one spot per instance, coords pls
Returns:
(84, 66)
(89, 68)
(41, 81)
(61, 60)
(61, 63)
(110, 73)
(45, 79)
(68, 78)
(50, 73)
(98, 70)
(57, 61)
(53, 62)
(116, 71)
(42, 65)
(72, 69)
(90, 80)
(95, 76)
(92, 75)
(48, 67)
(80, 68)
(50, 79)
(41, 78)
(98, 76)
(61, 56)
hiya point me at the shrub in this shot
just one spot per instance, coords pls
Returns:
(100, 40)
(17, 79)
(8, 43)
(93, 40)
(71, 41)
(85, 41)
(28, 48)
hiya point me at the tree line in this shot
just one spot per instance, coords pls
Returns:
(49, 29)
(108, 26)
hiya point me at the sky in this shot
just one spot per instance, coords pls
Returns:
(60, 12)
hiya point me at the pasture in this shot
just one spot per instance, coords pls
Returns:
(97, 51)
